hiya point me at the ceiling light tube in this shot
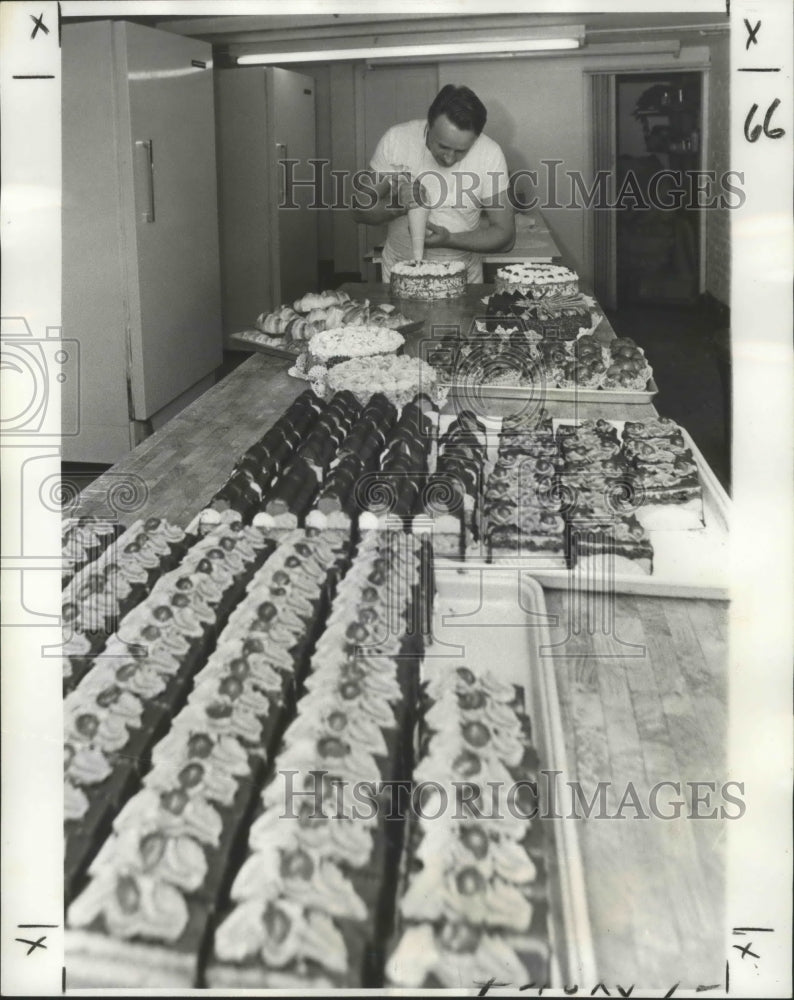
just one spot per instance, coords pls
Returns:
(508, 47)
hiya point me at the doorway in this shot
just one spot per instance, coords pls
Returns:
(648, 136)
(658, 119)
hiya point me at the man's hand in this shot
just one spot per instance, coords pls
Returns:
(436, 236)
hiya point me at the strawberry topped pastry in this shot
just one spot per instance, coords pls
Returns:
(473, 883)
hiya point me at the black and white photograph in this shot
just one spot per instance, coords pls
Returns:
(398, 477)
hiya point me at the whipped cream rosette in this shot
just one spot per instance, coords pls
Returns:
(281, 943)
(345, 838)
(453, 956)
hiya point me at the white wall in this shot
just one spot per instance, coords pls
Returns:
(535, 112)
(539, 108)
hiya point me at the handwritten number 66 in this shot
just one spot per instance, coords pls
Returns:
(753, 134)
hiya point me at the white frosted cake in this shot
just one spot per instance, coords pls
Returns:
(428, 279)
(538, 281)
(329, 347)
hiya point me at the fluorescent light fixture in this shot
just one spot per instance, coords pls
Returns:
(513, 46)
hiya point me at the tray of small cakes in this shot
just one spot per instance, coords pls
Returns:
(611, 506)
(484, 894)
(622, 506)
(539, 338)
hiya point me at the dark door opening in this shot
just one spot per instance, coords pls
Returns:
(658, 141)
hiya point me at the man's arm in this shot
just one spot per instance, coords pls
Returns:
(376, 202)
(499, 235)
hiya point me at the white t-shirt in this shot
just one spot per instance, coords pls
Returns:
(455, 194)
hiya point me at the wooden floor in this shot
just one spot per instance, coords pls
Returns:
(643, 693)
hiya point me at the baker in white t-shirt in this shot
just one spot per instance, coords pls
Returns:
(447, 164)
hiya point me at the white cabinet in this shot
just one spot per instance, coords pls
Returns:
(265, 116)
(141, 269)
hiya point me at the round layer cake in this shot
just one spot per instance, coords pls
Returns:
(330, 347)
(538, 281)
(428, 279)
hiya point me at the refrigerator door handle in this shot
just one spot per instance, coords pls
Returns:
(281, 148)
(146, 145)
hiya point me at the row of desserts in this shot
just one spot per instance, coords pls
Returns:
(521, 509)
(102, 591)
(82, 540)
(125, 701)
(326, 458)
(382, 464)
(599, 501)
(508, 355)
(255, 469)
(313, 899)
(473, 899)
(157, 881)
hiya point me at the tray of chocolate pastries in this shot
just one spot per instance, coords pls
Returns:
(613, 506)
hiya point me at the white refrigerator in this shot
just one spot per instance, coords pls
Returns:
(141, 268)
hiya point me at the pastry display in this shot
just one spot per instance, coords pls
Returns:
(294, 492)
(601, 501)
(154, 885)
(428, 279)
(512, 355)
(545, 319)
(244, 698)
(521, 509)
(104, 590)
(664, 474)
(398, 377)
(124, 702)
(586, 492)
(451, 495)
(396, 490)
(82, 540)
(342, 343)
(538, 281)
(290, 327)
(473, 897)
(313, 898)
(242, 494)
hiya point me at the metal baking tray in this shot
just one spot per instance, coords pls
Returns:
(688, 562)
(476, 611)
(575, 394)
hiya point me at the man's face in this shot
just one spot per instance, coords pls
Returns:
(448, 143)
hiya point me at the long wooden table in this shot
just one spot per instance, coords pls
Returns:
(642, 684)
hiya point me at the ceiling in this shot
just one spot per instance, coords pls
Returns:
(240, 28)
(235, 35)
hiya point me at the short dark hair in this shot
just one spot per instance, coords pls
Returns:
(462, 106)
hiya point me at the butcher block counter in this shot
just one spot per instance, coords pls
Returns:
(642, 684)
